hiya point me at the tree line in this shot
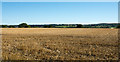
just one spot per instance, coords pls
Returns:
(25, 25)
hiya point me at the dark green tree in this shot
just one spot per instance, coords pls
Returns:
(4, 26)
(28, 26)
(11, 26)
(24, 25)
(118, 26)
(79, 26)
(48, 26)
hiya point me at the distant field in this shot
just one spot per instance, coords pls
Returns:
(59, 44)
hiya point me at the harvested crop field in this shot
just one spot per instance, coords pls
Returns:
(59, 44)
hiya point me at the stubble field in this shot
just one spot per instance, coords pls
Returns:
(59, 44)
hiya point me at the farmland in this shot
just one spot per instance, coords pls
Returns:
(59, 44)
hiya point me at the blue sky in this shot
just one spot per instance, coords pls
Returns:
(59, 12)
(60, 0)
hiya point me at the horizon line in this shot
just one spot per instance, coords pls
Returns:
(60, 23)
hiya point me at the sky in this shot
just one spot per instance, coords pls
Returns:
(59, 12)
(60, 0)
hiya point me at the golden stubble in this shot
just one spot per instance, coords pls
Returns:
(59, 44)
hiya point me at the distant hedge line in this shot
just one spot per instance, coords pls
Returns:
(25, 25)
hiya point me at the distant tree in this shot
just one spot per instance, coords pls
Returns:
(118, 26)
(11, 26)
(24, 25)
(4, 26)
(48, 26)
(0, 26)
(45, 26)
(35, 27)
(29, 26)
(79, 26)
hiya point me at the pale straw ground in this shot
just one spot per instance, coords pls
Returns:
(59, 44)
